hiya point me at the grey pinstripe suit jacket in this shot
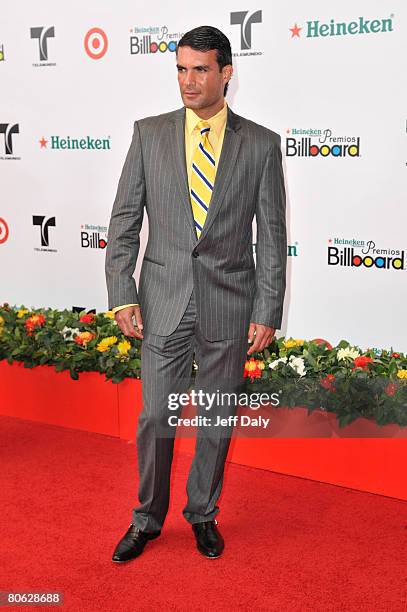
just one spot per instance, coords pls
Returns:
(230, 291)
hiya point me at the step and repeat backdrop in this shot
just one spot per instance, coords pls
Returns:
(328, 77)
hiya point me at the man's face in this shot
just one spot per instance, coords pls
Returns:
(200, 80)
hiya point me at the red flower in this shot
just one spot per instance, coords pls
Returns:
(396, 355)
(36, 320)
(362, 362)
(390, 389)
(87, 318)
(322, 341)
(328, 382)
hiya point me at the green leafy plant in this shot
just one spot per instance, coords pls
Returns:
(343, 379)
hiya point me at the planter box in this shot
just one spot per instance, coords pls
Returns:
(42, 394)
(311, 447)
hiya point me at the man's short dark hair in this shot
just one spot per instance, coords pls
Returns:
(205, 38)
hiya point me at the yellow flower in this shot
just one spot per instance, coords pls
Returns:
(109, 314)
(291, 343)
(105, 344)
(260, 365)
(402, 374)
(251, 365)
(1, 321)
(21, 312)
(1, 329)
(124, 347)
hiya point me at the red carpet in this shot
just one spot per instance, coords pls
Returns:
(291, 544)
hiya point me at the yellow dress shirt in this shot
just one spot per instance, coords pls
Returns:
(192, 138)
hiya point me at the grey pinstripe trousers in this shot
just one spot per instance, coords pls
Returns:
(166, 365)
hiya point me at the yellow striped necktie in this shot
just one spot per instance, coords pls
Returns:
(202, 177)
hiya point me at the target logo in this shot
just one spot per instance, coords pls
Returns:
(96, 43)
(3, 231)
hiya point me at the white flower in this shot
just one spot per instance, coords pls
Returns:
(347, 353)
(275, 363)
(298, 364)
(68, 332)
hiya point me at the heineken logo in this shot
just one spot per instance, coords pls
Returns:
(67, 142)
(361, 25)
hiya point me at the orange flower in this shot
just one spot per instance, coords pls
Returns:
(84, 338)
(253, 368)
(36, 320)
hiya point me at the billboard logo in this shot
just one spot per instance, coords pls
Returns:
(142, 43)
(91, 237)
(42, 35)
(363, 254)
(96, 43)
(317, 142)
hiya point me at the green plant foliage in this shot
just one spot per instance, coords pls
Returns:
(343, 379)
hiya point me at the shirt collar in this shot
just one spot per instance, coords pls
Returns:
(217, 122)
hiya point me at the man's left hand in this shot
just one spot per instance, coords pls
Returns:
(262, 338)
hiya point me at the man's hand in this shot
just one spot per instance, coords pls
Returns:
(124, 320)
(264, 336)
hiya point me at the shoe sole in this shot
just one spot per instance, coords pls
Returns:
(151, 537)
(209, 556)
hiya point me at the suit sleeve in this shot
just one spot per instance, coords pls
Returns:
(271, 248)
(123, 238)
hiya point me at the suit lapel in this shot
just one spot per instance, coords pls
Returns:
(177, 149)
(230, 150)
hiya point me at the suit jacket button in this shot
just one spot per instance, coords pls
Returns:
(195, 254)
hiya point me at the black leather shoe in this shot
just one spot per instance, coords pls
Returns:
(208, 539)
(132, 544)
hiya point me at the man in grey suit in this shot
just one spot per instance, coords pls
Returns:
(202, 173)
